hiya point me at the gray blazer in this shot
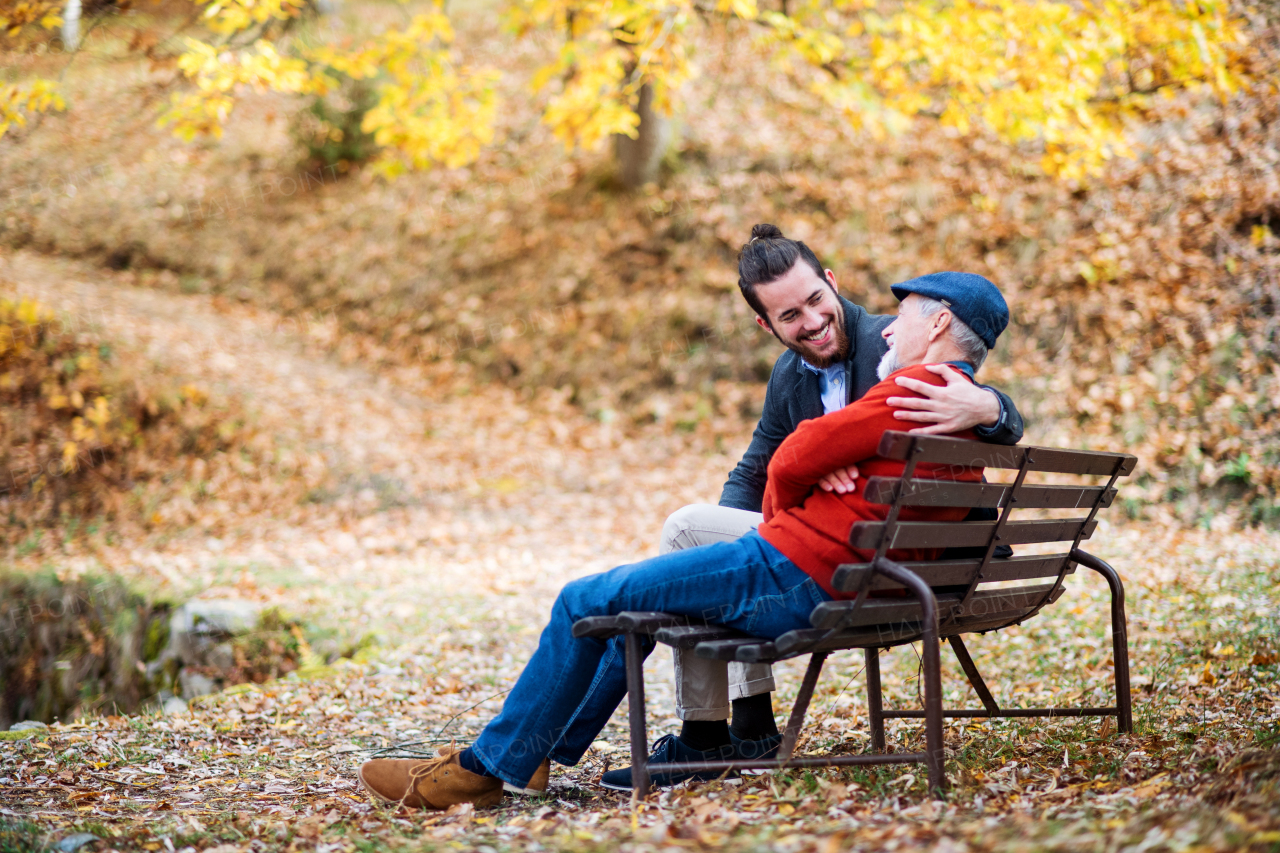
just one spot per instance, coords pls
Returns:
(794, 395)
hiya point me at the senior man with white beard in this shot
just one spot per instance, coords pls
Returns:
(834, 348)
(764, 583)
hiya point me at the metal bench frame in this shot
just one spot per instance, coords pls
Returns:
(936, 607)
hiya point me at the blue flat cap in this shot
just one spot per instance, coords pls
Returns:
(973, 299)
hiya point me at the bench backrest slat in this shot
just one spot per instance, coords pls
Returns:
(882, 490)
(957, 451)
(967, 584)
(968, 534)
(1012, 602)
(939, 573)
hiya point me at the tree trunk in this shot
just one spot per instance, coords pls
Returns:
(71, 26)
(638, 158)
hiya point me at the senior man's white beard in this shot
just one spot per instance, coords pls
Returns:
(888, 364)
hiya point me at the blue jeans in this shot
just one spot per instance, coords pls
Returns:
(571, 687)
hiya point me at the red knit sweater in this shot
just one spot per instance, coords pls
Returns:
(811, 526)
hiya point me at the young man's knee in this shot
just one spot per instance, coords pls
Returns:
(676, 528)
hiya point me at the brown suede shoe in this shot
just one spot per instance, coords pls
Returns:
(536, 787)
(435, 784)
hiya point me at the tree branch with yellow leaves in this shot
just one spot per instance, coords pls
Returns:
(1066, 76)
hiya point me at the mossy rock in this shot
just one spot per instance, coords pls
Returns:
(23, 735)
(71, 646)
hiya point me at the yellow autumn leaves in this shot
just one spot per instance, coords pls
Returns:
(611, 50)
(33, 351)
(18, 101)
(428, 111)
(1068, 75)
(217, 74)
(227, 17)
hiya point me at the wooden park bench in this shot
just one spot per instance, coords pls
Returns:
(945, 598)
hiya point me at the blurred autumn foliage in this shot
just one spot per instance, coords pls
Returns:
(86, 431)
(1144, 296)
(1067, 75)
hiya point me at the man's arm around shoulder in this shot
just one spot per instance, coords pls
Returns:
(1007, 428)
(957, 404)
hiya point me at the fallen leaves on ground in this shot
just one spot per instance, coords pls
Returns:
(490, 503)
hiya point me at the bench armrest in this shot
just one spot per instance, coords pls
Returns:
(628, 622)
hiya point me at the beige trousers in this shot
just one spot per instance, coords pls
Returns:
(704, 688)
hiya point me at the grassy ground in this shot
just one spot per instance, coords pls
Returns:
(407, 496)
(1143, 309)
(487, 506)
(272, 767)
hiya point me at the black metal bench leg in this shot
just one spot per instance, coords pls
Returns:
(1119, 636)
(792, 732)
(875, 706)
(635, 707)
(971, 673)
(931, 661)
(931, 657)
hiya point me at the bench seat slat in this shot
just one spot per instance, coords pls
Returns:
(596, 626)
(881, 490)
(798, 642)
(969, 454)
(848, 577)
(967, 534)
(746, 650)
(627, 622)
(688, 636)
(802, 641)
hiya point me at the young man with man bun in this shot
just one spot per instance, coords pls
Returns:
(765, 581)
(834, 349)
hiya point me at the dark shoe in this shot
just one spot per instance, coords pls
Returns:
(755, 750)
(668, 750)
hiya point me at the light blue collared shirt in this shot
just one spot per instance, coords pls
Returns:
(834, 382)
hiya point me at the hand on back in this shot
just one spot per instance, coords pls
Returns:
(957, 406)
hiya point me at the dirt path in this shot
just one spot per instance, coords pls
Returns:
(437, 500)
(451, 520)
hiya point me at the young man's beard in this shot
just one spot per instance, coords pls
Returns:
(840, 353)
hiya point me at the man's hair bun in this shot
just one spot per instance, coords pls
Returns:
(765, 231)
(768, 256)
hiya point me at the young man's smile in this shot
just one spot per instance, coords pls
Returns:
(804, 313)
(821, 337)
